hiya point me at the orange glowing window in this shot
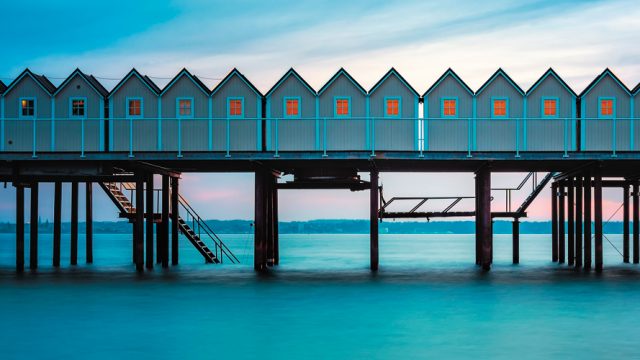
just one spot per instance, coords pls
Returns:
(135, 107)
(550, 107)
(449, 107)
(235, 107)
(342, 107)
(393, 107)
(292, 107)
(606, 107)
(184, 107)
(500, 107)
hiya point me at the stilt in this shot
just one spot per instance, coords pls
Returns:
(269, 225)
(165, 221)
(175, 213)
(373, 220)
(516, 240)
(483, 216)
(477, 225)
(636, 223)
(19, 228)
(554, 222)
(625, 223)
(89, 222)
(33, 228)
(276, 230)
(597, 199)
(139, 228)
(57, 222)
(587, 220)
(578, 239)
(259, 255)
(149, 223)
(74, 223)
(571, 239)
(561, 225)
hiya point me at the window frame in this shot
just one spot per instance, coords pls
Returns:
(180, 116)
(335, 106)
(384, 107)
(506, 107)
(284, 107)
(442, 100)
(71, 100)
(35, 107)
(613, 107)
(542, 100)
(126, 104)
(233, 98)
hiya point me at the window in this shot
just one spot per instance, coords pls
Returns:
(134, 107)
(27, 107)
(342, 107)
(185, 107)
(550, 107)
(78, 107)
(291, 107)
(606, 107)
(235, 107)
(449, 107)
(500, 107)
(392, 107)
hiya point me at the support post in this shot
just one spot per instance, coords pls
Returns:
(477, 226)
(19, 228)
(149, 223)
(57, 222)
(33, 228)
(139, 224)
(587, 220)
(175, 214)
(561, 225)
(554, 222)
(597, 198)
(165, 221)
(276, 230)
(636, 223)
(89, 222)
(483, 216)
(625, 223)
(269, 215)
(259, 255)
(571, 239)
(373, 220)
(578, 238)
(516, 240)
(74, 223)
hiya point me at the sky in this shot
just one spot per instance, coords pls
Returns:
(263, 39)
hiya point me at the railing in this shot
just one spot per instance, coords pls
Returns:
(508, 191)
(320, 135)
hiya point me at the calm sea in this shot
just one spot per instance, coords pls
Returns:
(427, 301)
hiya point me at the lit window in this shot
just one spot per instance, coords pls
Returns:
(499, 107)
(135, 107)
(235, 107)
(27, 107)
(184, 107)
(449, 107)
(77, 107)
(606, 107)
(292, 107)
(393, 107)
(550, 107)
(342, 107)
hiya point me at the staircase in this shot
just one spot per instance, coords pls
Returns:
(194, 228)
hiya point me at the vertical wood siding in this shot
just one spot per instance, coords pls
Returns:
(293, 134)
(145, 130)
(18, 133)
(68, 131)
(448, 134)
(344, 133)
(598, 133)
(194, 132)
(393, 134)
(499, 134)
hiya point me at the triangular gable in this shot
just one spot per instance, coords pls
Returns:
(41, 80)
(455, 76)
(495, 75)
(194, 79)
(145, 80)
(237, 73)
(604, 74)
(636, 89)
(393, 71)
(3, 87)
(97, 87)
(284, 77)
(336, 76)
(552, 73)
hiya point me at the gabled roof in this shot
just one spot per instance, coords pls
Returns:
(145, 80)
(2, 87)
(95, 84)
(495, 75)
(602, 75)
(342, 71)
(193, 78)
(41, 80)
(231, 74)
(636, 89)
(393, 71)
(284, 77)
(455, 76)
(548, 73)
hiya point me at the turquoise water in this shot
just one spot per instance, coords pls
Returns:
(427, 301)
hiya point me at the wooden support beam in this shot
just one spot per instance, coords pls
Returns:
(149, 223)
(19, 228)
(571, 239)
(516, 240)
(57, 222)
(89, 222)
(554, 222)
(165, 221)
(597, 216)
(33, 228)
(579, 183)
(259, 254)
(625, 223)
(374, 197)
(587, 220)
(561, 224)
(477, 225)
(139, 224)
(175, 214)
(636, 222)
(483, 216)
(276, 230)
(269, 216)
(74, 224)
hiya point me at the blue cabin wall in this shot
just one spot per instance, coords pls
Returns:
(598, 133)
(244, 132)
(292, 133)
(399, 134)
(497, 134)
(190, 133)
(19, 134)
(635, 114)
(340, 134)
(447, 134)
(144, 130)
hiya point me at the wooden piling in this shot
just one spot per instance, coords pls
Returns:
(33, 228)
(636, 223)
(373, 220)
(139, 228)
(561, 224)
(554, 222)
(19, 228)
(587, 220)
(571, 239)
(515, 233)
(597, 199)
(625, 223)
(259, 227)
(175, 214)
(165, 221)
(483, 216)
(276, 230)
(149, 221)
(579, 183)
(74, 224)
(269, 217)
(57, 222)
(89, 222)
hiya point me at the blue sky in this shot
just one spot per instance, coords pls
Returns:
(263, 39)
